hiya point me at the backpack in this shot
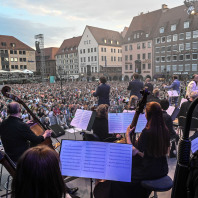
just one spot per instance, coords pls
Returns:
(192, 181)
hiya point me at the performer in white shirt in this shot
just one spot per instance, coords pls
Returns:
(192, 86)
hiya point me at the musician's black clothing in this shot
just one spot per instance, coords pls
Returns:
(135, 86)
(15, 135)
(152, 98)
(149, 86)
(184, 108)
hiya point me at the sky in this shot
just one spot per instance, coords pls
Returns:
(62, 19)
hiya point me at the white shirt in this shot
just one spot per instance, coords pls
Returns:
(192, 86)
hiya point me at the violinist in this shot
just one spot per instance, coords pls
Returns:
(15, 134)
(149, 157)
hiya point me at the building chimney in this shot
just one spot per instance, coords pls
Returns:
(164, 7)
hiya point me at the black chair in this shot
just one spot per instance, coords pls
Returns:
(158, 185)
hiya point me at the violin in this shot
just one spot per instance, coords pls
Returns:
(36, 127)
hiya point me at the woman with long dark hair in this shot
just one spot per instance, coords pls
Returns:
(38, 175)
(149, 156)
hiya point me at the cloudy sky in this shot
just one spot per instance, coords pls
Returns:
(62, 19)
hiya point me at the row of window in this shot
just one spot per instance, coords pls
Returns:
(113, 50)
(180, 57)
(84, 69)
(16, 59)
(5, 44)
(180, 47)
(71, 55)
(137, 36)
(69, 49)
(130, 57)
(113, 58)
(174, 27)
(89, 50)
(174, 68)
(111, 42)
(90, 58)
(130, 47)
(14, 66)
(130, 67)
(175, 37)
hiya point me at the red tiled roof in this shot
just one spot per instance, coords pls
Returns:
(19, 45)
(69, 46)
(50, 52)
(103, 34)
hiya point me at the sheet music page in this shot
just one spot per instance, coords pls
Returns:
(170, 110)
(99, 160)
(81, 119)
(118, 122)
(172, 93)
(194, 145)
(141, 123)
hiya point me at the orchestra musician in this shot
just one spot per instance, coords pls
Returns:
(149, 158)
(102, 92)
(174, 86)
(131, 106)
(148, 85)
(38, 175)
(15, 134)
(192, 86)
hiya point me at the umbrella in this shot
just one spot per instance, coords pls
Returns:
(26, 71)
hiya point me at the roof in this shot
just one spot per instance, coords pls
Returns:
(10, 40)
(177, 15)
(143, 24)
(50, 52)
(69, 46)
(113, 38)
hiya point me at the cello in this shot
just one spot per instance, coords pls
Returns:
(36, 127)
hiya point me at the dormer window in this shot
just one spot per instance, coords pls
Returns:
(186, 24)
(147, 35)
(111, 42)
(117, 42)
(105, 41)
(12, 44)
(3, 43)
(173, 27)
(161, 30)
(134, 36)
(129, 38)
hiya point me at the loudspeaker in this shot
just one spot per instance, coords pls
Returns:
(57, 131)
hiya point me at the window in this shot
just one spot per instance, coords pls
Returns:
(138, 56)
(174, 67)
(194, 56)
(175, 37)
(12, 66)
(105, 50)
(149, 65)
(138, 45)
(157, 59)
(130, 47)
(105, 41)
(163, 59)
(91, 49)
(81, 59)
(134, 36)
(194, 67)
(88, 59)
(95, 69)
(168, 48)
(21, 66)
(168, 38)
(83, 51)
(173, 27)
(114, 58)
(129, 38)
(181, 57)
(11, 52)
(168, 68)
(174, 57)
(95, 58)
(174, 47)
(131, 57)
(157, 40)
(143, 66)
(181, 47)
(157, 49)
(3, 43)
(163, 49)
(84, 59)
(188, 46)
(16, 66)
(143, 56)
(102, 49)
(88, 50)
(94, 49)
(157, 68)
(187, 56)
(195, 45)
(161, 30)
(149, 44)
(180, 67)
(15, 59)
(114, 50)
(143, 45)
(131, 67)
(138, 35)
(111, 50)
(149, 55)
(188, 35)
(181, 36)
(126, 47)
(126, 57)
(186, 24)
(163, 68)
(163, 39)
(187, 67)
(126, 67)
(168, 58)
(195, 34)
(147, 35)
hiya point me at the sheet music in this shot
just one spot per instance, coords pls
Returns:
(194, 145)
(99, 160)
(170, 110)
(172, 93)
(81, 119)
(118, 122)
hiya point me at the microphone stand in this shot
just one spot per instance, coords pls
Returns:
(179, 189)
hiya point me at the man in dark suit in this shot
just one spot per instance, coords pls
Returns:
(148, 85)
(135, 86)
(102, 92)
(154, 97)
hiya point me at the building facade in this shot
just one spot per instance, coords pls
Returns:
(67, 58)
(50, 62)
(15, 55)
(176, 43)
(100, 53)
